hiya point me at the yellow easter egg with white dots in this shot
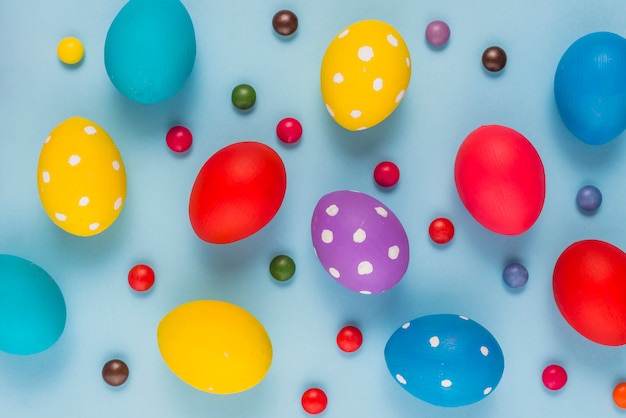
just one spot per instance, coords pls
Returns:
(365, 74)
(81, 177)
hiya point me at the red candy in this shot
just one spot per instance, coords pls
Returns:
(441, 230)
(237, 192)
(314, 401)
(554, 377)
(386, 174)
(500, 179)
(349, 339)
(289, 130)
(141, 277)
(179, 139)
(589, 284)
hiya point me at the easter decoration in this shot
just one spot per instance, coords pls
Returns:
(359, 241)
(32, 307)
(590, 87)
(215, 346)
(365, 73)
(445, 360)
(500, 179)
(150, 49)
(81, 177)
(590, 290)
(237, 192)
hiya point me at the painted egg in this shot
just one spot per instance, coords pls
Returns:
(590, 87)
(500, 179)
(81, 177)
(237, 192)
(445, 360)
(215, 346)
(150, 49)
(589, 284)
(365, 73)
(32, 308)
(359, 241)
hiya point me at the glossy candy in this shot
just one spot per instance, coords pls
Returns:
(285, 22)
(590, 87)
(365, 73)
(289, 130)
(494, 59)
(32, 307)
(314, 401)
(349, 339)
(81, 177)
(70, 50)
(590, 290)
(282, 268)
(619, 395)
(141, 277)
(115, 372)
(179, 139)
(441, 230)
(243, 96)
(588, 199)
(515, 275)
(215, 346)
(437, 33)
(150, 49)
(554, 377)
(359, 241)
(446, 360)
(500, 179)
(237, 192)
(386, 174)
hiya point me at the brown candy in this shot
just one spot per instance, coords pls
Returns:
(285, 22)
(115, 372)
(494, 59)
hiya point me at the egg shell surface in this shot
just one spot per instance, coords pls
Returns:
(150, 49)
(359, 241)
(237, 192)
(81, 177)
(446, 360)
(500, 179)
(215, 346)
(32, 307)
(365, 73)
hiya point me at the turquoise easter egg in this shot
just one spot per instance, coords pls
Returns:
(32, 308)
(150, 49)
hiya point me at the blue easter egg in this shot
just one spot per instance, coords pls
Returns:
(590, 87)
(446, 360)
(150, 49)
(32, 308)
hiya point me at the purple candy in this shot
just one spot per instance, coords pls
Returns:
(437, 33)
(359, 241)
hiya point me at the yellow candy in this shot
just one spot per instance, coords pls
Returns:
(215, 346)
(81, 177)
(70, 50)
(365, 73)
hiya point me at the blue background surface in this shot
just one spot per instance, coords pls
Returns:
(450, 95)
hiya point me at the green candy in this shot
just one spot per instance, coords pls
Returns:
(244, 96)
(282, 267)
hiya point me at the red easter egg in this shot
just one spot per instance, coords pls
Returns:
(237, 192)
(500, 179)
(589, 284)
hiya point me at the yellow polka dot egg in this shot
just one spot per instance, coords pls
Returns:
(365, 73)
(81, 177)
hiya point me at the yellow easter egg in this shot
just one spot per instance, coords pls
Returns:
(215, 346)
(365, 73)
(81, 177)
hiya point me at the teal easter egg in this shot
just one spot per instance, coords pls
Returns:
(150, 49)
(32, 308)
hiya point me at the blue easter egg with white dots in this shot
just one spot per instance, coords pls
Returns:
(445, 360)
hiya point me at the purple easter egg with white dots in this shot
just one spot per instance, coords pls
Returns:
(359, 241)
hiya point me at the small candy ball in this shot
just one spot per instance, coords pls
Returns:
(285, 22)
(588, 199)
(141, 277)
(289, 130)
(179, 139)
(386, 174)
(437, 33)
(115, 372)
(441, 231)
(494, 59)
(314, 401)
(554, 377)
(515, 275)
(349, 339)
(282, 267)
(243, 96)
(70, 50)
(619, 395)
